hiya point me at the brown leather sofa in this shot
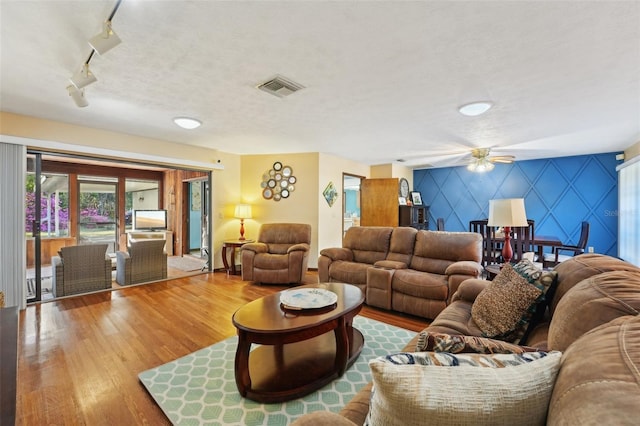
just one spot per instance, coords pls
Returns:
(280, 255)
(410, 271)
(593, 318)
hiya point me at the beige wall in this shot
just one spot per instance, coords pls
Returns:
(632, 151)
(383, 171)
(53, 131)
(300, 207)
(46, 134)
(330, 218)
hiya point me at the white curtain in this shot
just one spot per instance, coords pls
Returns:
(629, 211)
(13, 270)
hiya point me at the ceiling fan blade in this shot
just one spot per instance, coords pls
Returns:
(506, 159)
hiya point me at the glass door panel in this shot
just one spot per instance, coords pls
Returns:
(98, 213)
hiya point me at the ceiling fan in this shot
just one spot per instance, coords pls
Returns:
(481, 162)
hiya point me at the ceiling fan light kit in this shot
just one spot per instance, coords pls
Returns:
(480, 165)
(481, 161)
(101, 43)
(474, 109)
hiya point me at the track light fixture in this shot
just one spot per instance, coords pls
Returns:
(78, 96)
(84, 77)
(106, 40)
(101, 44)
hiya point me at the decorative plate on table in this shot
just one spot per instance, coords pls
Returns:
(307, 298)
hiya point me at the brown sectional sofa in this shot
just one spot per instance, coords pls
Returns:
(593, 318)
(410, 271)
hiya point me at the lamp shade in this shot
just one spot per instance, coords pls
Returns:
(243, 211)
(507, 212)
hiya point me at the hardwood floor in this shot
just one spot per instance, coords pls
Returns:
(79, 357)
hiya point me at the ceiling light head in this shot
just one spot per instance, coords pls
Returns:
(187, 122)
(78, 96)
(83, 78)
(474, 109)
(481, 165)
(106, 40)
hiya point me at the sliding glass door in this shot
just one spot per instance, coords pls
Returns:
(46, 225)
(98, 212)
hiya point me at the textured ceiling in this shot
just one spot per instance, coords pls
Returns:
(383, 80)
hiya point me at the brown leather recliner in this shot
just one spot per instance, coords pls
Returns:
(280, 256)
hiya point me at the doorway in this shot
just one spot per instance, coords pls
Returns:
(197, 217)
(47, 225)
(350, 201)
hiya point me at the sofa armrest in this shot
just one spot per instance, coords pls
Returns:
(338, 253)
(390, 264)
(256, 247)
(464, 267)
(470, 289)
(322, 418)
(299, 247)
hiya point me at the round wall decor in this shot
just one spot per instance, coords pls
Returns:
(278, 182)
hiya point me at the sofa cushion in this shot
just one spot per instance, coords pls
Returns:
(369, 244)
(504, 308)
(435, 251)
(348, 272)
(401, 245)
(421, 388)
(612, 389)
(420, 284)
(579, 268)
(593, 302)
(270, 261)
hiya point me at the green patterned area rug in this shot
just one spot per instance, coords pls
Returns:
(200, 388)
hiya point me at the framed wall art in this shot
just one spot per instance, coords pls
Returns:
(330, 194)
(416, 198)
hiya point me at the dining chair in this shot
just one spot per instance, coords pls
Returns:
(554, 258)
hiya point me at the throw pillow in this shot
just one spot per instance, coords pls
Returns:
(504, 309)
(419, 388)
(453, 343)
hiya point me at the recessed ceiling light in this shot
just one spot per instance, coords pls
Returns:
(475, 108)
(187, 123)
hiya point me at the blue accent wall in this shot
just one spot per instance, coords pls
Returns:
(559, 193)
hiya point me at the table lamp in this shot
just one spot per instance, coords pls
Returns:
(507, 212)
(243, 211)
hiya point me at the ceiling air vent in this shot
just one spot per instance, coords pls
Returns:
(280, 86)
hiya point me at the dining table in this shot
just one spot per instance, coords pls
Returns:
(542, 241)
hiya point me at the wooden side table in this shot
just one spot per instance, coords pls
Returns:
(233, 244)
(492, 270)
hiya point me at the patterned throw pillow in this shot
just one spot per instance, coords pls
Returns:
(454, 343)
(504, 309)
(424, 388)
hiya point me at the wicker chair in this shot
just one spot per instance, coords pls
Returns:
(145, 261)
(80, 269)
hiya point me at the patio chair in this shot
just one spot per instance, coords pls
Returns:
(145, 261)
(81, 269)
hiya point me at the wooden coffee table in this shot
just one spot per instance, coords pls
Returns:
(301, 350)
